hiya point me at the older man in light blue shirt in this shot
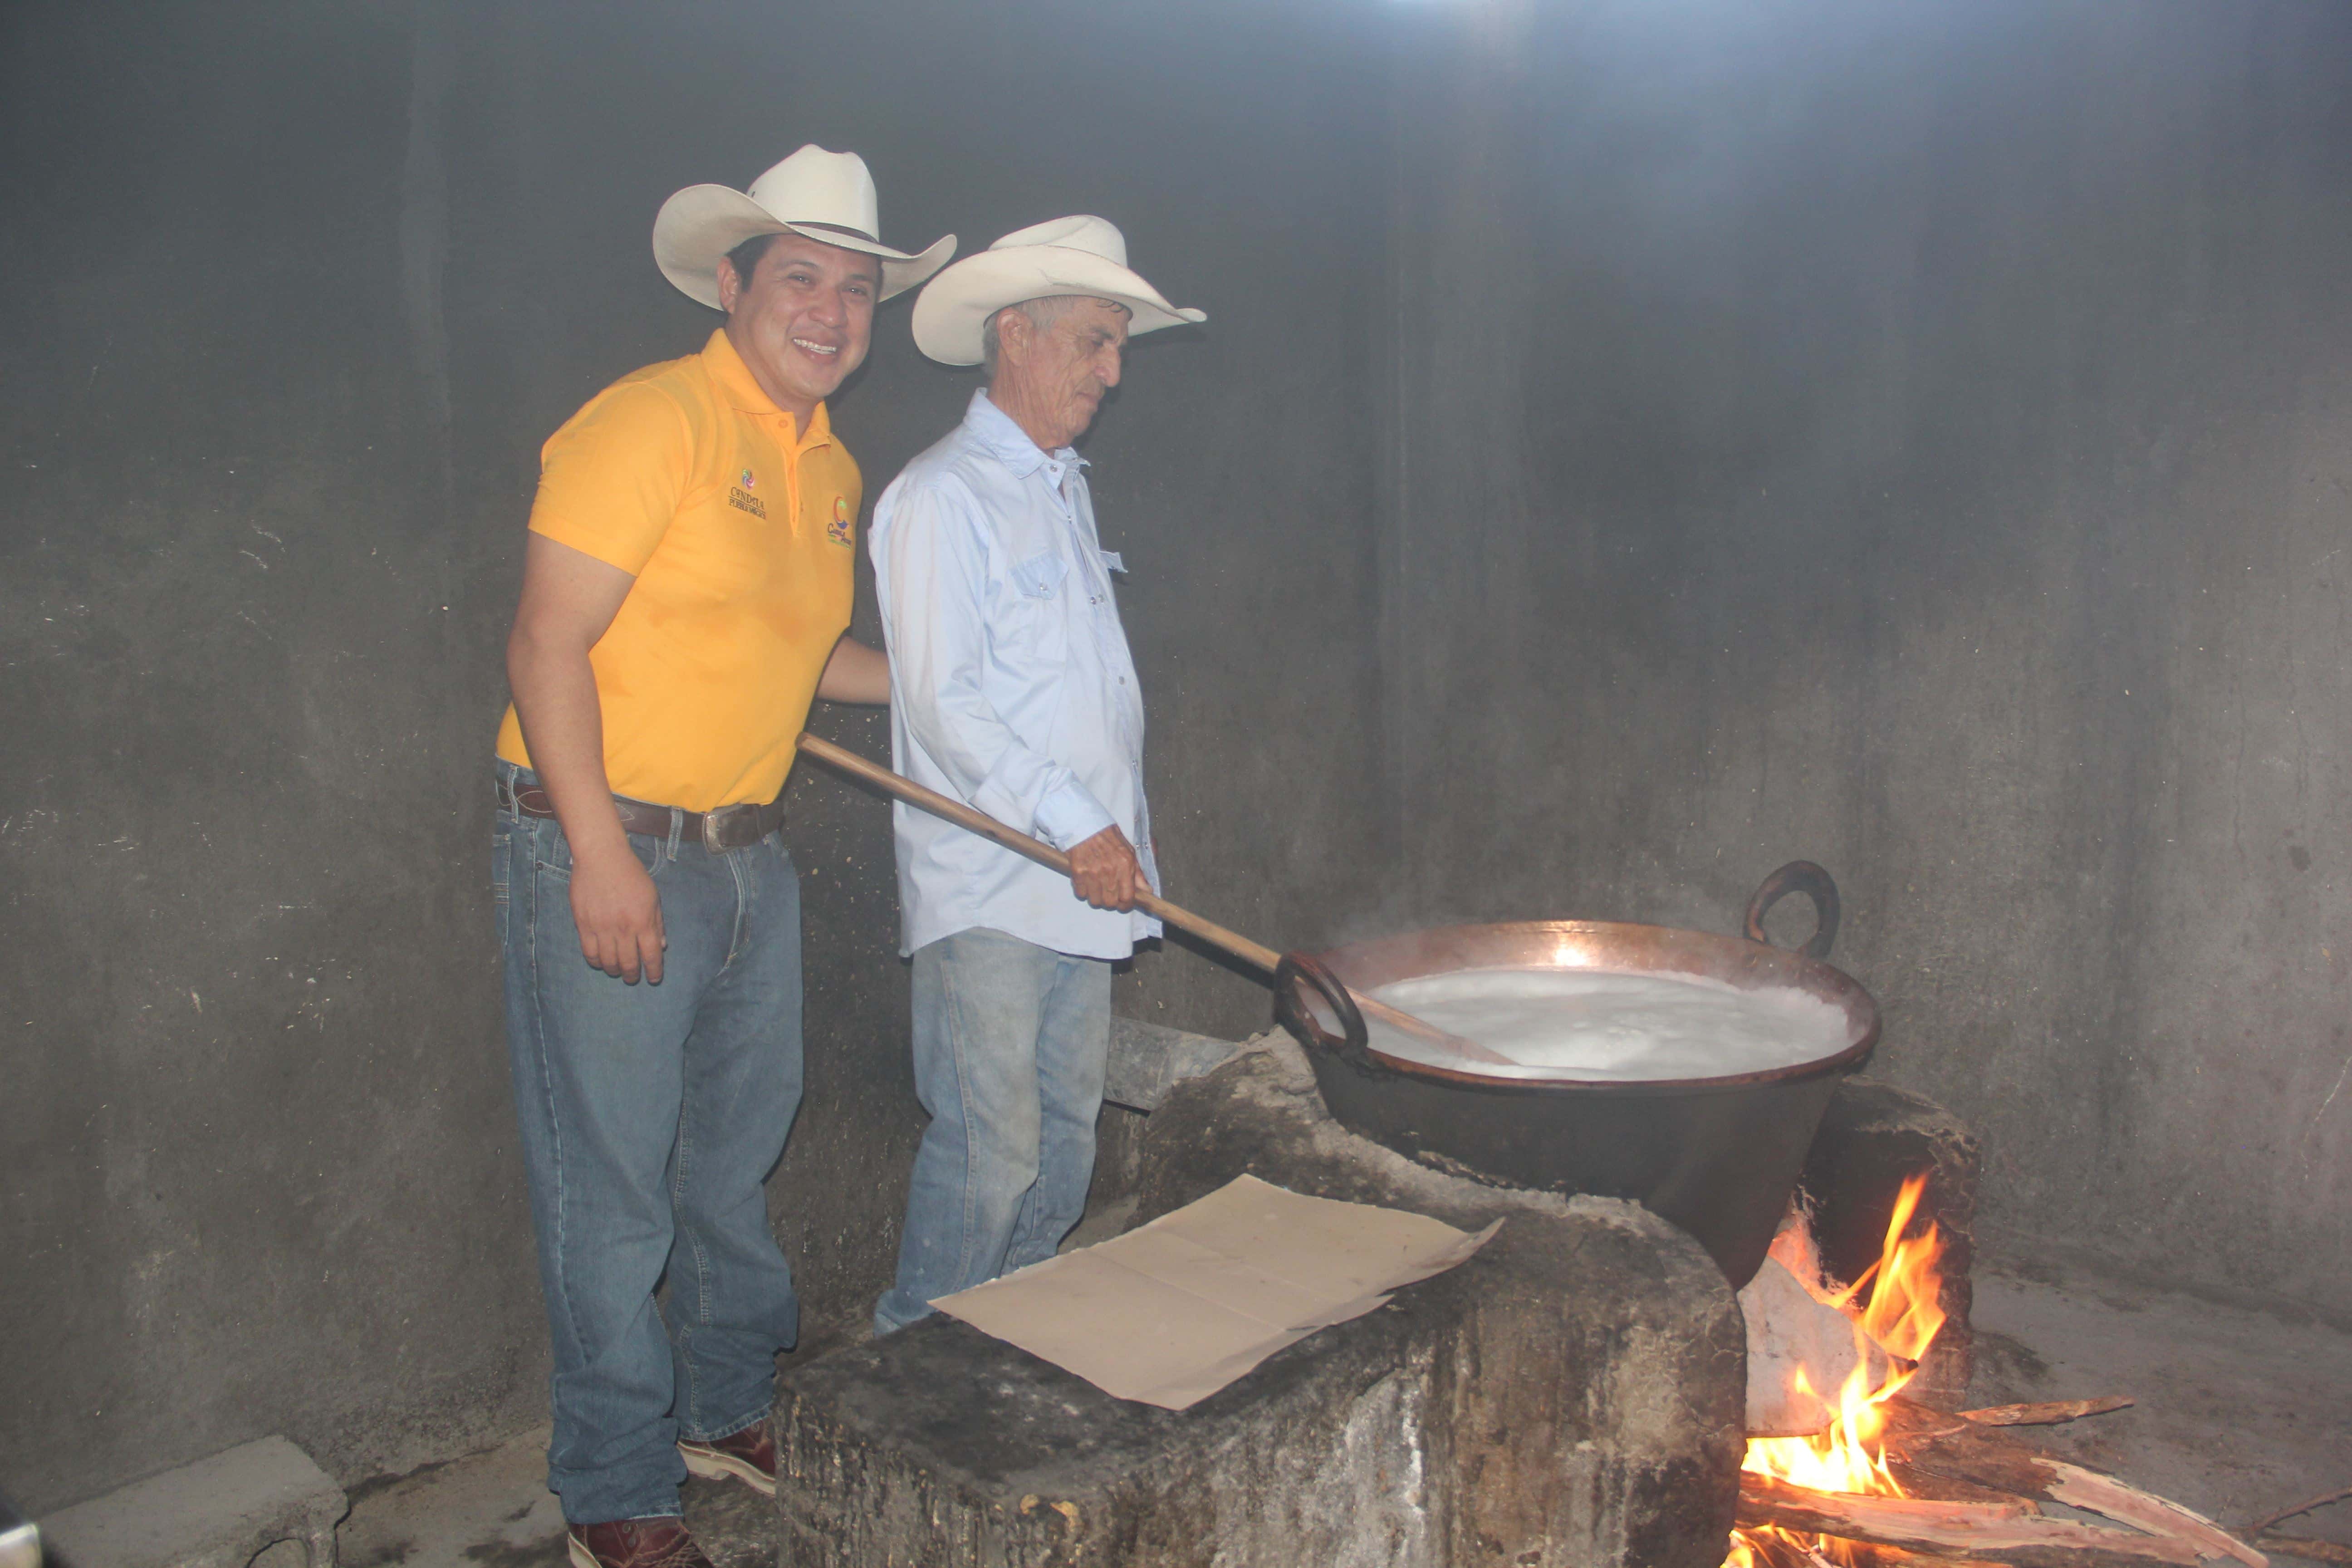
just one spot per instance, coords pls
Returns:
(1014, 690)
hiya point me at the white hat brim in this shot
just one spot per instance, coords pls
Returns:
(950, 312)
(702, 223)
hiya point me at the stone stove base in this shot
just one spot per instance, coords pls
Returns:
(1572, 1395)
(1569, 1398)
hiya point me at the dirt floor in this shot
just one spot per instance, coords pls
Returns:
(2243, 1410)
(492, 1510)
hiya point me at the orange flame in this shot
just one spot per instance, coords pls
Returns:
(1902, 1317)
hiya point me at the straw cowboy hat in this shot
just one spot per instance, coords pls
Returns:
(827, 196)
(1067, 255)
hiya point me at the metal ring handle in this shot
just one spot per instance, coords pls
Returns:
(1798, 876)
(1290, 976)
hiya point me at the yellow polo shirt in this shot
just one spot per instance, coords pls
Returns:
(741, 534)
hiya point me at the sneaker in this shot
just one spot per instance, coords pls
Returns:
(635, 1543)
(749, 1455)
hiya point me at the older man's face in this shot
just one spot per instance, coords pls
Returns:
(804, 319)
(1058, 375)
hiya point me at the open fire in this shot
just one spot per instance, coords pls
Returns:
(1834, 1501)
(1902, 1317)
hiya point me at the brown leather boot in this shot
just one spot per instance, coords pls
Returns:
(749, 1455)
(635, 1543)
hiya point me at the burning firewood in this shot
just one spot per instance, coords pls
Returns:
(2105, 1495)
(2047, 1415)
(1917, 1482)
(2014, 1531)
(1891, 1484)
(1928, 1441)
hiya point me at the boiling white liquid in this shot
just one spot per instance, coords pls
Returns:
(1591, 1023)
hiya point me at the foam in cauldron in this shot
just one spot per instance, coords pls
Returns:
(1593, 1024)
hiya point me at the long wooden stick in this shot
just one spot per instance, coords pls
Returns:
(1208, 930)
(2045, 1415)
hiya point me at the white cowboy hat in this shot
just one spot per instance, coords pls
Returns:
(1065, 256)
(827, 196)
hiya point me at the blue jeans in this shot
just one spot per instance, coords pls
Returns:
(651, 1116)
(1011, 1041)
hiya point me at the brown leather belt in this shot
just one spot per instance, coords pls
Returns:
(728, 827)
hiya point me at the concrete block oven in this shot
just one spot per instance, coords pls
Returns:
(1571, 1397)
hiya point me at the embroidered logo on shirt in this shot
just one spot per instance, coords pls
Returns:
(838, 529)
(748, 482)
(742, 500)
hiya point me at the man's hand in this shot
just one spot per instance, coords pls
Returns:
(1105, 873)
(618, 913)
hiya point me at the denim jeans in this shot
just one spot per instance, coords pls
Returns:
(651, 1116)
(1011, 1041)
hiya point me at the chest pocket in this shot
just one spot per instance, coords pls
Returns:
(1039, 577)
(1032, 633)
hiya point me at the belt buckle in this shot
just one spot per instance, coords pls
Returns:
(710, 833)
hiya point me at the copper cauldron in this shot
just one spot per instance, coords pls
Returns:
(1717, 1156)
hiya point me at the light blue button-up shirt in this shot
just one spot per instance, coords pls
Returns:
(1011, 686)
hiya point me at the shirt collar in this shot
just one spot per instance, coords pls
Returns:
(734, 378)
(1008, 442)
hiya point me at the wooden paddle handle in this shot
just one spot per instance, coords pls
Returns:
(1252, 952)
(1019, 843)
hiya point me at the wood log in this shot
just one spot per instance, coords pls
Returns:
(2012, 1532)
(1895, 1557)
(1806, 1509)
(1905, 1420)
(2103, 1494)
(2298, 1546)
(1937, 1487)
(1929, 1443)
(1771, 1549)
(2047, 1415)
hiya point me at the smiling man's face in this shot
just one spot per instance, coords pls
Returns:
(805, 318)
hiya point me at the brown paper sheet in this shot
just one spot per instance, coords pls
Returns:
(1173, 1312)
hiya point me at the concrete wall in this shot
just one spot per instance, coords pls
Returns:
(296, 291)
(1632, 446)
(1917, 438)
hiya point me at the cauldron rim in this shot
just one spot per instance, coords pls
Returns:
(1745, 961)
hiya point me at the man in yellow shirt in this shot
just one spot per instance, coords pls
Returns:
(685, 592)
